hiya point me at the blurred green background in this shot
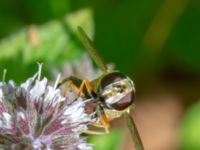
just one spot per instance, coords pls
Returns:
(155, 42)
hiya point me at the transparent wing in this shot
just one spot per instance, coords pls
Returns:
(92, 50)
(134, 132)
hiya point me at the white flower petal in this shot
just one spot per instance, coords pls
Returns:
(20, 115)
(5, 120)
(39, 89)
(1, 95)
(84, 146)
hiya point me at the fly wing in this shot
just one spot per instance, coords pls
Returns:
(134, 132)
(92, 50)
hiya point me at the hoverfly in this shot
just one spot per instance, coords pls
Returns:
(112, 94)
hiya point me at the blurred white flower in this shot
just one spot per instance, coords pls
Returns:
(82, 68)
(35, 116)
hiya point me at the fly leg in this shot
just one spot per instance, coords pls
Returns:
(103, 120)
(89, 88)
(78, 85)
(74, 83)
(104, 123)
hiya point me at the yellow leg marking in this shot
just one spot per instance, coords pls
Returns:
(72, 86)
(95, 132)
(106, 130)
(79, 90)
(88, 86)
(104, 120)
(99, 125)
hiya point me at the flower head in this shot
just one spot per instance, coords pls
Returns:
(35, 116)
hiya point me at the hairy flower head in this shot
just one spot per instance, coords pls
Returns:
(35, 116)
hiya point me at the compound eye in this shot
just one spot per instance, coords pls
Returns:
(124, 102)
(111, 78)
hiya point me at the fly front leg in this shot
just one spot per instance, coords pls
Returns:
(103, 123)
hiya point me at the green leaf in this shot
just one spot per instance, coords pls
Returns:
(56, 43)
(190, 131)
(111, 141)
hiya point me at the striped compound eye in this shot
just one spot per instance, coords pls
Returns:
(126, 101)
(111, 78)
(118, 91)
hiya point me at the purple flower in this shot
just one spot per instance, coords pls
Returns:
(35, 116)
